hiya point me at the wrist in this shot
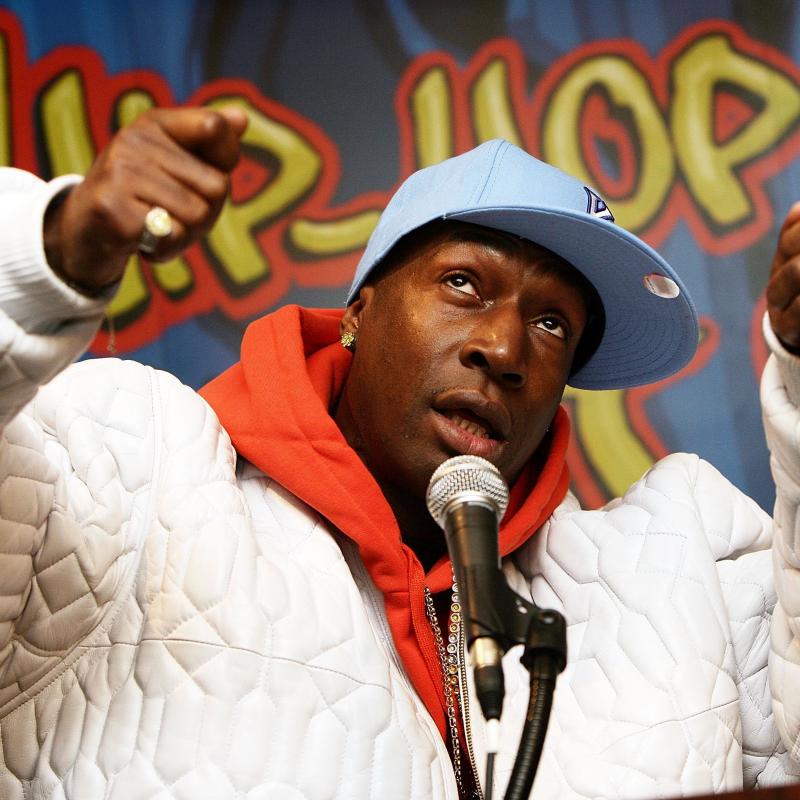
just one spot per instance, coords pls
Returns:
(52, 241)
(30, 292)
(51, 233)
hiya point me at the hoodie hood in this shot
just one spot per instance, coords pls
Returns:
(274, 404)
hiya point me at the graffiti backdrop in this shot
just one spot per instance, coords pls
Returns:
(683, 115)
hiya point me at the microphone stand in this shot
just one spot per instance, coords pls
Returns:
(544, 656)
(511, 620)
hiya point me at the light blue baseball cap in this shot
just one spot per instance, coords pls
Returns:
(651, 328)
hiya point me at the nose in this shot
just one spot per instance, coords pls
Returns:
(497, 345)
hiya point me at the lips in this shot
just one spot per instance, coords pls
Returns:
(475, 413)
(469, 423)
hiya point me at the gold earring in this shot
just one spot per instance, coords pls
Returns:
(349, 341)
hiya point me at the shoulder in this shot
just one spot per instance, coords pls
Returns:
(681, 493)
(95, 385)
(126, 407)
(104, 392)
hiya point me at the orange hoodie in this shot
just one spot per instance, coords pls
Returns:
(274, 404)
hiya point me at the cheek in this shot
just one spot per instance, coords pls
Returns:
(394, 400)
(404, 344)
(537, 409)
(391, 363)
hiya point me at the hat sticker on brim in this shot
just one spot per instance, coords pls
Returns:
(661, 286)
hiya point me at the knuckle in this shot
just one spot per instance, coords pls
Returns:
(104, 207)
(109, 219)
(791, 272)
(146, 121)
(212, 125)
(173, 244)
(148, 116)
(217, 188)
(126, 149)
(196, 212)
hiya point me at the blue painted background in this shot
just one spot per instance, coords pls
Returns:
(338, 64)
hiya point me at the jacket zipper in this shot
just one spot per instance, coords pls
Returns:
(464, 700)
(374, 602)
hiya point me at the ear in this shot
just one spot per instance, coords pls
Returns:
(354, 313)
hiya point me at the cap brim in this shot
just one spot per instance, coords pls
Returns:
(647, 337)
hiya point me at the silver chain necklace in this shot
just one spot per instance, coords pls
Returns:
(449, 658)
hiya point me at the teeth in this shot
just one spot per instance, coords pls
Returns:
(468, 425)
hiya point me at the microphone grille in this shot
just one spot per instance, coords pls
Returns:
(465, 475)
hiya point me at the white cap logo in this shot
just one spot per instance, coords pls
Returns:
(597, 207)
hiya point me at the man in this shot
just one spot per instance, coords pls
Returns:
(260, 608)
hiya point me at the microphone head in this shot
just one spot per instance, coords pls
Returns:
(465, 478)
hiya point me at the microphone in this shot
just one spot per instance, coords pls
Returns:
(467, 497)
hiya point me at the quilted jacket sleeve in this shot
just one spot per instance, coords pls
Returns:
(739, 534)
(44, 324)
(780, 395)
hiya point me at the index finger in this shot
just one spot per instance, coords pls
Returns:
(212, 135)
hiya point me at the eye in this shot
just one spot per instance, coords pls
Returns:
(553, 325)
(462, 283)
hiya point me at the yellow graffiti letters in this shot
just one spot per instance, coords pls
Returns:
(616, 454)
(67, 139)
(326, 238)
(492, 111)
(297, 166)
(432, 117)
(710, 167)
(626, 88)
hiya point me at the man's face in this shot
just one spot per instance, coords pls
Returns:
(464, 347)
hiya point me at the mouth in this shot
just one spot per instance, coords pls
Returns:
(469, 423)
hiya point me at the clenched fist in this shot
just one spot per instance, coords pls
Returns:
(783, 289)
(178, 159)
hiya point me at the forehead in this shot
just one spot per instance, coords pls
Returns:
(433, 237)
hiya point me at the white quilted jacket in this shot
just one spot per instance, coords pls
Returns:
(172, 626)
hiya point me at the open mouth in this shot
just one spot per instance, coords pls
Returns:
(470, 422)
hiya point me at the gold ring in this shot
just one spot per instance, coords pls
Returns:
(157, 226)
